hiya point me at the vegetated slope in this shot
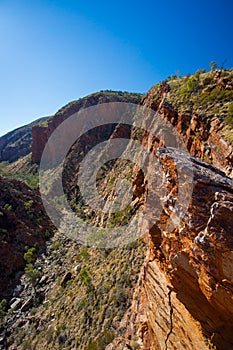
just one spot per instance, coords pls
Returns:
(23, 224)
(200, 107)
(80, 299)
(22, 169)
(17, 143)
(181, 299)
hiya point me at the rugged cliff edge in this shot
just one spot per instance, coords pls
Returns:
(200, 108)
(186, 299)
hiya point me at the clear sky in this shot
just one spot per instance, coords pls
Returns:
(55, 51)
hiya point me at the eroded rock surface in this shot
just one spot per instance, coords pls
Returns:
(186, 298)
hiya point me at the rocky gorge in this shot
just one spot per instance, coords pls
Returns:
(170, 289)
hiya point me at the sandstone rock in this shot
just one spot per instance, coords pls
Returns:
(27, 305)
(2, 337)
(77, 269)
(66, 278)
(43, 279)
(184, 300)
(16, 304)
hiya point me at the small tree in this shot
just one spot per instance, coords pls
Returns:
(213, 65)
(32, 274)
(2, 308)
(229, 117)
(192, 84)
(30, 255)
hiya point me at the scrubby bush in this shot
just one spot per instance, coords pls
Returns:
(2, 308)
(229, 117)
(213, 65)
(208, 80)
(192, 84)
(216, 95)
(32, 274)
(30, 255)
(84, 277)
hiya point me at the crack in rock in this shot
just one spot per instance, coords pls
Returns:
(171, 320)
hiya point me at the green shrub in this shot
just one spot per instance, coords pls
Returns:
(84, 254)
(47, 234)
(8, 207)
(30, 255)
(84, 277)
(229, 117)
(216, 95)
(3, 165)
(3, 308)
(28, 204)
(213, 65)
(55, 245)
(32, 274)
(192, 84)
(207, 81)
(102, 341)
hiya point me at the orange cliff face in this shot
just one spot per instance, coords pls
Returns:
(187, 288)
(184, 299)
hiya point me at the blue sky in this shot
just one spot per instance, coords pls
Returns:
(53, 52)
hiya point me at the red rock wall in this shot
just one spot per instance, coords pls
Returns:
(187, 280)
(186, 283)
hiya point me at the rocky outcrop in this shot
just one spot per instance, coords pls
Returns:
(184, 298)
(188, 280)
(202, 129)
(17, 143)
(186, 293)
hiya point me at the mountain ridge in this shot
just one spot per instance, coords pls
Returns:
(16, 144)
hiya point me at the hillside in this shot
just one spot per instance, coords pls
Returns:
(172, 287)
(17, 143)
(23, 225)
(23, 147)
(41, 133)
